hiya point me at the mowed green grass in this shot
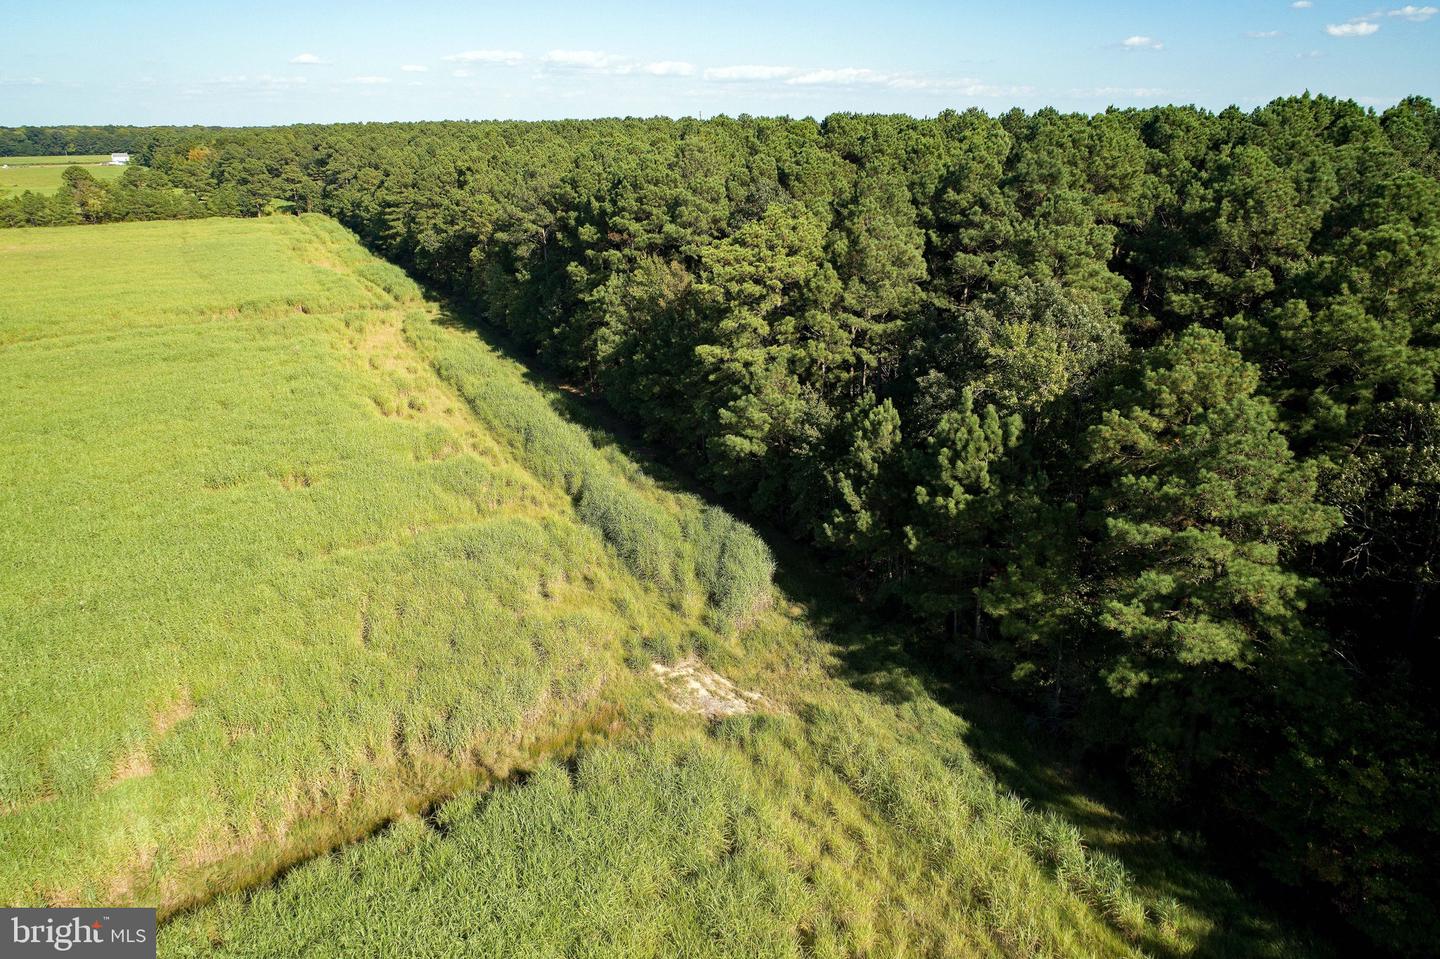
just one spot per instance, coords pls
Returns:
(294, 554)
(43, 174)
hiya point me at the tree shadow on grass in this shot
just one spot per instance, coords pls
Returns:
(606, 428)
(1025, 757)
(1028, 759)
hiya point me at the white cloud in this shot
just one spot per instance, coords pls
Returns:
(263, 85)
(308, 59)
(598, 61)
(583, 59)
(1301, 5)
(20, 81)
(1139, 42)
(844, 76)
(750, 71)
(864, 76)
(670, 68)
(1412, 12)
(774, 76)
(261, 79)
(1355, 28)
(1138, 93)
(1263, 34)
(860, 76)
(369, 81)
(963, 86)
(507, 57)
(462, 73)
(1311, 55)
(414, 68)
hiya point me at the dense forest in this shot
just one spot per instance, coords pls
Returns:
(1132, 416)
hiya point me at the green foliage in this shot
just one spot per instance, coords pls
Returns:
(52, 194)
(1033, 347)
(860, 481)
(1201, 509)
(1197, 514)
(957, 495)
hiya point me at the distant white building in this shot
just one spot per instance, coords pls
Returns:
(119, 159)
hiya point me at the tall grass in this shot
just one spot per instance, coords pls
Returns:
(836, 829)
(732, 562)
(264, 581)
(696, 555)
(657, 850)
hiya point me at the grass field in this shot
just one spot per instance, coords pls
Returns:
(42, 174)
(263, 583)
(60, 160)
(291, 555)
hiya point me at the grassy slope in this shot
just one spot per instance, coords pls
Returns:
(851, 819)
(42, 174)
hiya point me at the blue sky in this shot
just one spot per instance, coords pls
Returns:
(156, 61)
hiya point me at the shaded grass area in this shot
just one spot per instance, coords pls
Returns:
(43, 174)
(1130, 862)
(693, 553)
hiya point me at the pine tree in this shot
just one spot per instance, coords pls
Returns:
(1197, 512)
(958, 500)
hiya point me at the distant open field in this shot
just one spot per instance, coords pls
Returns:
(291, 554)
(78, 159)
(42, 174)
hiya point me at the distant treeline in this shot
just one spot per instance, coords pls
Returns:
(82, 140)
(1135, 412)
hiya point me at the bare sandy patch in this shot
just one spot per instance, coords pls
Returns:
(693, 687)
